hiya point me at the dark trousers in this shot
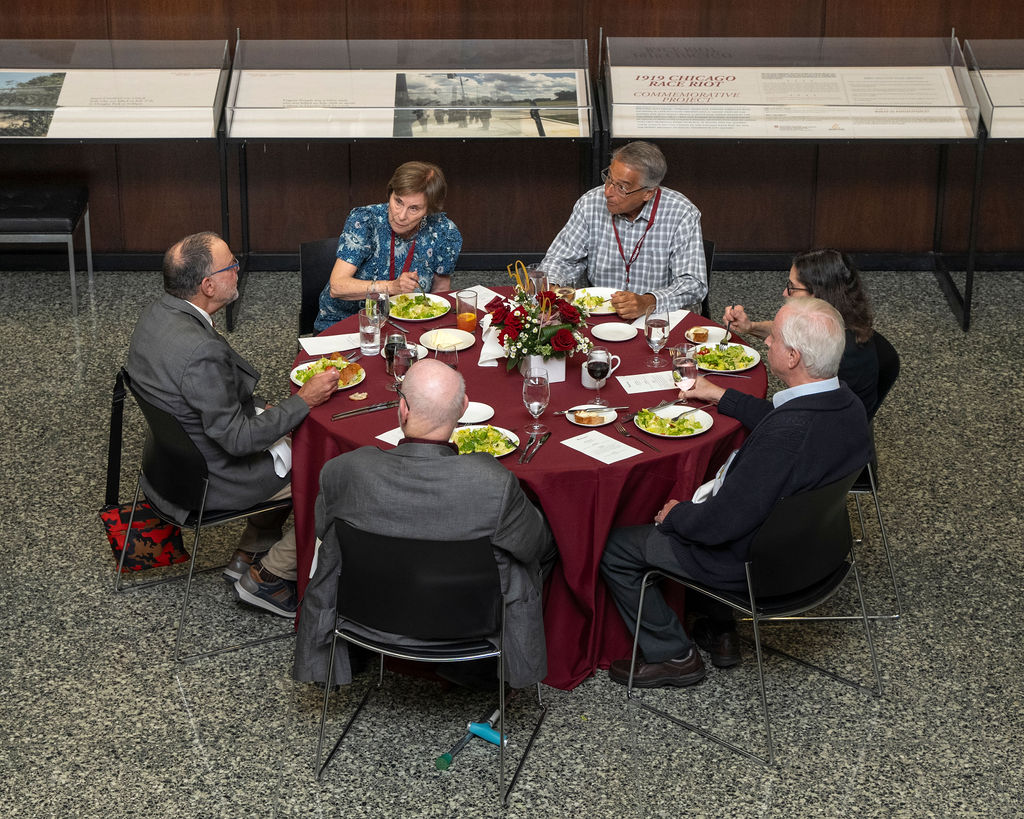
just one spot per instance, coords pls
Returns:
(630, 553)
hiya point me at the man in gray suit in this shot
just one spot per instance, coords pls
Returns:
(179, 362)
(424, 489)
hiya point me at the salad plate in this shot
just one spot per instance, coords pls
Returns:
(736, 358)
(419, 306)
(496, 441)
(446, 338)
(656, 422)
(477, 413)
(613, 331)
(597, 300)
(302, 373)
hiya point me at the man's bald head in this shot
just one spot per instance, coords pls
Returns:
(435, 398)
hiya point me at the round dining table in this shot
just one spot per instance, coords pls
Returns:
(581, 497)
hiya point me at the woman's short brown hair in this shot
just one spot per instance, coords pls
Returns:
(420, 177)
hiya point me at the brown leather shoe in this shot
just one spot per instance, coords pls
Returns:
(680, 673)
(724, 648)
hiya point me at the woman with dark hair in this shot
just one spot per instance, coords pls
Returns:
(394, 246)
(830, 275)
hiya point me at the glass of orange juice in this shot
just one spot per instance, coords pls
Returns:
(465, 310)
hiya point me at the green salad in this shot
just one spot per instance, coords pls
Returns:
(590, 302)
(731, 358)
(483, 439)
(340, 363)
(687, 425)
(419, 306)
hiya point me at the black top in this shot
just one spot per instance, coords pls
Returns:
(858, 368)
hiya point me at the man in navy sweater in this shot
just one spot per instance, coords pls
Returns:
(810, 434)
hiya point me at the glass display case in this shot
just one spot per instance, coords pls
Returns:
(112, 89)
(434, 89)
(997, 71)
(788, 88)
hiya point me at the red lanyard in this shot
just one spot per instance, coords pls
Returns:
(640, 241)
(408, 256)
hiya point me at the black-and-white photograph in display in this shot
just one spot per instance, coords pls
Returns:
(487, 103)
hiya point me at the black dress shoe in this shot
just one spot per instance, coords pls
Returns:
(724, 648)
(680, 673)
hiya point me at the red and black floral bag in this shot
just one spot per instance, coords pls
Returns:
(152, 542)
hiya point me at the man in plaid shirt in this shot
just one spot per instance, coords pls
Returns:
(633, 235)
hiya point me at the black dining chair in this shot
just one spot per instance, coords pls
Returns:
(175, 469)
(799, 558)
(316, 260)
(867, 481)
(423, 600)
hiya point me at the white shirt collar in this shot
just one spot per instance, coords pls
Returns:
(202, 312)
(812, 388)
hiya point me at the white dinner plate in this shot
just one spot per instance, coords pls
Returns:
(746, 351)
(447, 337)
(607, 415)
(421, 351)
(613, 331)
(434, 299)
(605, 309)
(715, 334)
(704, 419)
(357, 380)
(477, 413)
(506, 432)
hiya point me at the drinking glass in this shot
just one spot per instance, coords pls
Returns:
(405, 357)
(369, 332)
(448, 354)
(598, 365)
(536, 394)
(378, 303)
(392, 343)
(465, 310)
(656, 329)
(686, 371)
(537, 280)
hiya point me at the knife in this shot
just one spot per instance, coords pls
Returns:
(540, 443)
(692, 409)
(372, 408)
(589, 407)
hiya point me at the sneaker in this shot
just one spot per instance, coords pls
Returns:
(277, 596)
(239, 565)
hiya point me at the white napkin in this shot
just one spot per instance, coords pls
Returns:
(281, 452)
(490, 349)
(392, 436)
(674, 317)
(483, 295)
(601, 447)
(647, 382)
(322, 345)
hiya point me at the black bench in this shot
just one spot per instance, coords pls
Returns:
(47, 214)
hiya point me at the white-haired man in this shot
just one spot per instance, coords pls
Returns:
(810, 434)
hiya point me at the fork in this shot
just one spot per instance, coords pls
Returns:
(530, 441)
(628, 434)
(724, 343)
(666, 404)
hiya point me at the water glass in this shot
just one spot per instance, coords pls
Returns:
(536, 394)
(391, 343)
(369, 332)
(656, 327)
(685, 370)
(448, 354)
(405, 357)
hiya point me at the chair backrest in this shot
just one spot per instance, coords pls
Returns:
(709, 263)
(888, 366)
(804, 540)
(171, 462)
(316, 260)
(427, 589)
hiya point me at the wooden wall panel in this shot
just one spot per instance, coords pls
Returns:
(876, 197)
(1002, 201)
(706, 18)
(924, 18)
(54, 19)
(467, 20)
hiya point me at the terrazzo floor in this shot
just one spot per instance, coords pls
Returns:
(97, 721)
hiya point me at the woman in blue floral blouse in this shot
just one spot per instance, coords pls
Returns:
(398, 245)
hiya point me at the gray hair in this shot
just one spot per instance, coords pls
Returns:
(646, 158)
(187, 263)
(434, 393)
(815, 329)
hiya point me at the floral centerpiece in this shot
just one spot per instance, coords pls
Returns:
(540, 324)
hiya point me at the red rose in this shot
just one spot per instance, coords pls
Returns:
(498, 314)
(568, 312)
(514, 319)
(494, 304)
(563, 341)
(507, 333)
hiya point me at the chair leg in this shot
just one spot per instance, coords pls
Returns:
(71, 269)
(127, 535)
(885, 542)
(323, 717)
(188, 589)
(88, 246)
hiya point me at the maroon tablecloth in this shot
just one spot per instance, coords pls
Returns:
(581, 497)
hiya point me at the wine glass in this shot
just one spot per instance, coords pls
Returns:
(405, 357)
(598, 365)
(536, 394)
(656, 329)
(378, 303)
(392, 344)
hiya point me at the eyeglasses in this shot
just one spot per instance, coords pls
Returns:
(618, 187)
(402, 396)
(233, 266)
(791, 288)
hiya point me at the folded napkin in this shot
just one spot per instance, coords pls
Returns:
(483, 295)
(322, 345)
(281, 452)
(392, 436)
(490, 349)
(674, 317)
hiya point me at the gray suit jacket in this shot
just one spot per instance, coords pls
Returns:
(427, 491)
(185, 367)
